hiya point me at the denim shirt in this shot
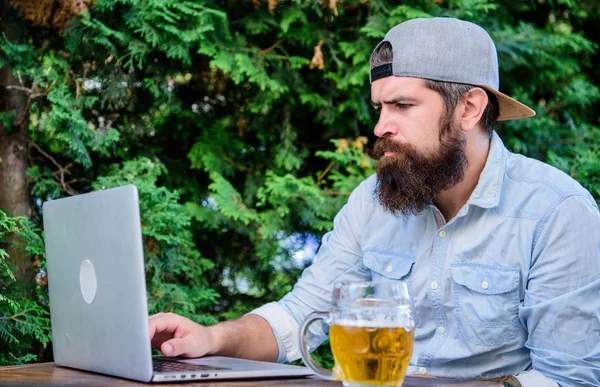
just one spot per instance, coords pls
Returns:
(510, 284)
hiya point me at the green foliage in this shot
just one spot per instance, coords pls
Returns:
(14, 53)
(242, 147)
(22, 321)
(7, 225)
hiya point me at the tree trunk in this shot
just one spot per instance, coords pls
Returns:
(14, 148)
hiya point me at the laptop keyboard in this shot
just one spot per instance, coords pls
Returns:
(160, 365)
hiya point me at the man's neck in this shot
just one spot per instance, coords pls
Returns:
(449, 202)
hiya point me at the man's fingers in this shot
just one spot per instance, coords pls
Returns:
(158, 339)
(156, 315)
(181, 347)
(162, 324)
(175, 335)
(172, 347)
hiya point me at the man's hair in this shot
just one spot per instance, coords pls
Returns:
(451, 93)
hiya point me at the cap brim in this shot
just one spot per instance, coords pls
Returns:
(510, 108)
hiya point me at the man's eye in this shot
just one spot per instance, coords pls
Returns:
(403, 105)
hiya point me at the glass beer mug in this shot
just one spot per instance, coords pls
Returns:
(371, 334)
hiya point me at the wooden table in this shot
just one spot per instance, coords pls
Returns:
(50, 375)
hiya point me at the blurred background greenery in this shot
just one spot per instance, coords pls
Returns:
(245, 124)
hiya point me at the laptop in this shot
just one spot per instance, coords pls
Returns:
(98, 301)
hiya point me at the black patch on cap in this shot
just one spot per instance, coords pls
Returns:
(381, 72)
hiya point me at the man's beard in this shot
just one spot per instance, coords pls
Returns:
(408, 180)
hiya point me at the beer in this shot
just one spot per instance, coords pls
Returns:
(371, 333)
(373, 356)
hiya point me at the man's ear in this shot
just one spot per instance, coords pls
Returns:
(474, 103)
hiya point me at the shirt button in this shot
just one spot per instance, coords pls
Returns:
(441, 330)
(485, 285)
(389, 268)
(434, 285)
(422, 370)
(442, 233)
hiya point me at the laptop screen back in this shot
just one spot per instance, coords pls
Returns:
(97, 289)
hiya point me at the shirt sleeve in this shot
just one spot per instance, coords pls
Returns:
(561, 307)
(339, 257)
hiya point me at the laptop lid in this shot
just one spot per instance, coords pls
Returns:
(97, 291)
(96, 283)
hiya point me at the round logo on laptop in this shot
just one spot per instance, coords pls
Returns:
(87, 281)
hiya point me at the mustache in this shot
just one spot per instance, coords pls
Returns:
(386, 144)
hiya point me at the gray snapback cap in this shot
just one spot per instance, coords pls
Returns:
(448, 50)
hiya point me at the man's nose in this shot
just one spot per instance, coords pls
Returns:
(385, 127)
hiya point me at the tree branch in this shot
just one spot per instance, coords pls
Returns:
(32, 94)
(62, 171)
(77, 87)
(25, 89)
(266, 50)
(325, 172)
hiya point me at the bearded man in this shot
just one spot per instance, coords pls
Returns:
(501, 252)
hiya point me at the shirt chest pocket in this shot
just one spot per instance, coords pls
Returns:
(486, 302)
(388, 265)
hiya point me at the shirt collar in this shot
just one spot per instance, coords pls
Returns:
(488, 189)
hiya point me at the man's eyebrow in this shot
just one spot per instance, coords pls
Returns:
(399, 99)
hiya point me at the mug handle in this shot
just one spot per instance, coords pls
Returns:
(304, 349)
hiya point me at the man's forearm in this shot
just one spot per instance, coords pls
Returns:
(249, 337)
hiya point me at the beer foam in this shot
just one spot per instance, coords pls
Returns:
(374, 317)
(374, 324)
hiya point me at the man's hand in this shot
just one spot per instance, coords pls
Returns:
(249, 337)
(175, 335)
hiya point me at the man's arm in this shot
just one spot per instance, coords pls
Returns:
(561, 307)
(339, 258)
(271, 331)
(248, 337)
